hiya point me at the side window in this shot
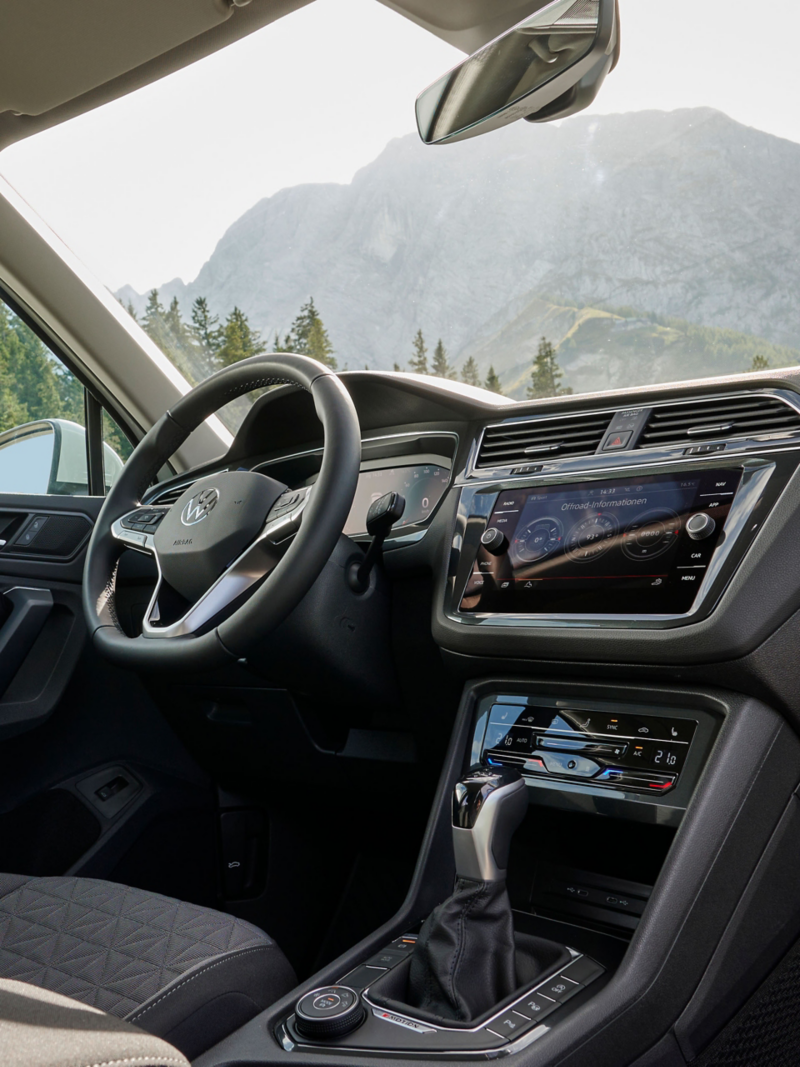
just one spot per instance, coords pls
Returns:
(44, 448)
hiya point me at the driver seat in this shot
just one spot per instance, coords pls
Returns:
(184, 973)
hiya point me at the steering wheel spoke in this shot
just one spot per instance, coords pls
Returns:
(246, 572)
(137, 529)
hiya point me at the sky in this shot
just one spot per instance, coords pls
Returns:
(143, 188)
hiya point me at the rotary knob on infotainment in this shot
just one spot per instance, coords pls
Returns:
(494, 541)
(700, 526)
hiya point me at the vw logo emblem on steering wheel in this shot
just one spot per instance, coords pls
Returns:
(199, 507)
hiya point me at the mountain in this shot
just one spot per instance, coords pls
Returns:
(685, 215)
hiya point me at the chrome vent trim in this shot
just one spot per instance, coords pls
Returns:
(557, 437)
(729, 417)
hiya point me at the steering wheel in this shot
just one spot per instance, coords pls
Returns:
(237, 551)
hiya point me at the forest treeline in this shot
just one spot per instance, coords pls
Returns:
(207, 343)
(35, 385)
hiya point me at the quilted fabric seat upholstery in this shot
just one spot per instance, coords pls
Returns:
(182, 972)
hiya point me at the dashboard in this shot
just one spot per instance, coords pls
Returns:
(646, 527)
(612, 583)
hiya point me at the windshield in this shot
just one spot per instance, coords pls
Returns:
(276, 196)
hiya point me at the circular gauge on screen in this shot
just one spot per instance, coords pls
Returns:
(421, 484)
(592, 537)
(538, 540)
(423, 487)
(651, 533)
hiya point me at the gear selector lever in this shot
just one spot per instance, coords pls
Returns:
(464, 961)
(488, 806)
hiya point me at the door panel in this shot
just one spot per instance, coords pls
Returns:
(42, 632)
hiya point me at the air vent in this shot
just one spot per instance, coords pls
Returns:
(542, 439)
(722, 417)
(169, 496)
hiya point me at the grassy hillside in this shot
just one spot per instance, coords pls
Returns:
(610, 348)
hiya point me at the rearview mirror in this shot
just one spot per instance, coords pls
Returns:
(49, 456)
(547, 66)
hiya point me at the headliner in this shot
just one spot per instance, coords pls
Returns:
(58, 59)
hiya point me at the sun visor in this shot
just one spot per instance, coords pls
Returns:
(52, 51)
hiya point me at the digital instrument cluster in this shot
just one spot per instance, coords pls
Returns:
(639, 546)
(422, 485)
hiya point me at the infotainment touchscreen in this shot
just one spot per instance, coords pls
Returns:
(634, 546)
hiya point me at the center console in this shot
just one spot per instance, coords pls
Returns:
(605, 784)
(625, 897)
(507, 1029)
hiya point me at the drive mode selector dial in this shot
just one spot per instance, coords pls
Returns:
(332, 1011)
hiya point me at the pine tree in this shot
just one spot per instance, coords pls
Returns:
(419, 361)
(469, 373)
(397, 368)
(33, 384)
(759, 363)
(307, 336)
(546, 373)
(440, 366)
(492, 382)
(319, 345)
(239, 340)
(174, 322)
(154, 324)
(205, 327)
(13, 412)
(175, 339)
(154, 311)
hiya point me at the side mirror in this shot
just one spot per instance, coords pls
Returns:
(546, 67)
(49, 456)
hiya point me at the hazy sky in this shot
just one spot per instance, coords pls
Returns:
(143, 188)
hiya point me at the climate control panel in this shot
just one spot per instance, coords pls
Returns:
(624, 757)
